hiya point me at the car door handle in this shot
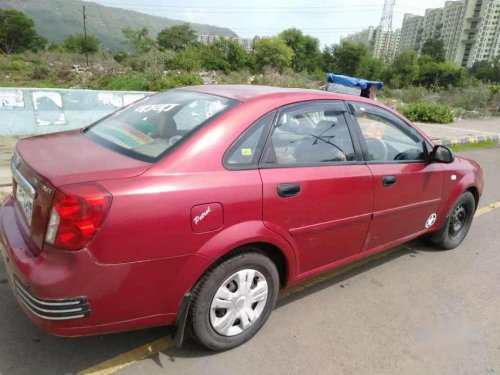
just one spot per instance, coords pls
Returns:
(288, 190)
(388, 181)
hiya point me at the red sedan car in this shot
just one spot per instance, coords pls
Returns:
(195, 206)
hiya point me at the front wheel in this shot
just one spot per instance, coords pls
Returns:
(457, 225)
(233, 300)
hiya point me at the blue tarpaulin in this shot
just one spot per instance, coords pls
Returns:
(351, 81)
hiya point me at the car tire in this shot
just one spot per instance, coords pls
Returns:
(457, 224)
(233, 300)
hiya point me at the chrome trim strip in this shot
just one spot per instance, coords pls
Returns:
(21, 180)
(26, 301)
(54, 303)
(53, 317)
(78, 308)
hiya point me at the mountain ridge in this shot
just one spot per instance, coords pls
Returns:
(57, 19)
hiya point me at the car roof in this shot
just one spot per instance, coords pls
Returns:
(244, 93)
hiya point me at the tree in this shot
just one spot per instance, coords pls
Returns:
(344, 58)
(371, 68)
(487, 71)
(440, 74)
(192, 58)
(17, 32)
(306, 53)
(434, 48)
(328, 59)
(78, 43)
(405, 69)
(138, 40)
(272, 52)
(176, 38)
(225, 55)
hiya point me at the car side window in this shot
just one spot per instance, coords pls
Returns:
(311, 134)
(247, 149)
(387, 138)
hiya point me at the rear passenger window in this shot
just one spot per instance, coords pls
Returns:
(246, 151)
(312, 134)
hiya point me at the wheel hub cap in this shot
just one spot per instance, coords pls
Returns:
(458, 221)
(239, 302)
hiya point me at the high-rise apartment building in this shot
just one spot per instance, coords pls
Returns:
(364, 37)
(411, 32)
(484, 37)
(470, 30)
(450, 33)
(246, 43)
(382, 44)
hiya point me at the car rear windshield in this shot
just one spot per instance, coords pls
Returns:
(149, 129)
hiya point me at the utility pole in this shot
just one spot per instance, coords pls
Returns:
(85, 35)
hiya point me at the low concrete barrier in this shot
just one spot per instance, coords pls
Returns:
(38, 111)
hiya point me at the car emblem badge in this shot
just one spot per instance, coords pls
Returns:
(46, 189)
(431, 221)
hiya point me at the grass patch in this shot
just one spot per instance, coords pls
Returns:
(474, 146)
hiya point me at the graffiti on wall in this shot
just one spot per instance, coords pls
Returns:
(38, 111)
(48, 107)
(11, 99)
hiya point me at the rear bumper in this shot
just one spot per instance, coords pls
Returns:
(100, 298)
(62, 309)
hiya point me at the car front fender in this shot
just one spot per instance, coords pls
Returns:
(452, 192)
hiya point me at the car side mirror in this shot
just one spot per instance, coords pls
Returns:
(442, 154)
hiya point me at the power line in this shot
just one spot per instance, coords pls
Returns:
(252, 10)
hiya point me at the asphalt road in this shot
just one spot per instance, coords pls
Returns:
(413, 311)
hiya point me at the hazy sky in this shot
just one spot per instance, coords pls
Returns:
(327, 20)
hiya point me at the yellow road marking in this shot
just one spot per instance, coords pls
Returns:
(126, 359)
(487, 209)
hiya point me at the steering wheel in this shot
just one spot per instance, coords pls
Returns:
(377, 149)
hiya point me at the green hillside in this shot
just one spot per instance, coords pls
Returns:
(56, 19)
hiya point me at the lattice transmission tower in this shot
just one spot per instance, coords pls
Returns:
(387, 13)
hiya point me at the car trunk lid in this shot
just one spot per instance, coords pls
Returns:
(43, 163)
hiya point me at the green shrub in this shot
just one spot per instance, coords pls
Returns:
(153, 60)
(120, 56)
(175, 80)
(190, 59)
(132, 82)
(414, 94)
(470, 98)
(18, 65)
(423, 112)
(494, 89)
(40, 71)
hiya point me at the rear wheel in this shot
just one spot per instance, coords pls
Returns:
(233, 300)
(457, 225)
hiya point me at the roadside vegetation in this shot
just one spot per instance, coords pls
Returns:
(424, 88)
(474, 146)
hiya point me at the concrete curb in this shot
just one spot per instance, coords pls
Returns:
(467, 140)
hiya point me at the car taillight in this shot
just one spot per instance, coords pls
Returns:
(77, 214)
